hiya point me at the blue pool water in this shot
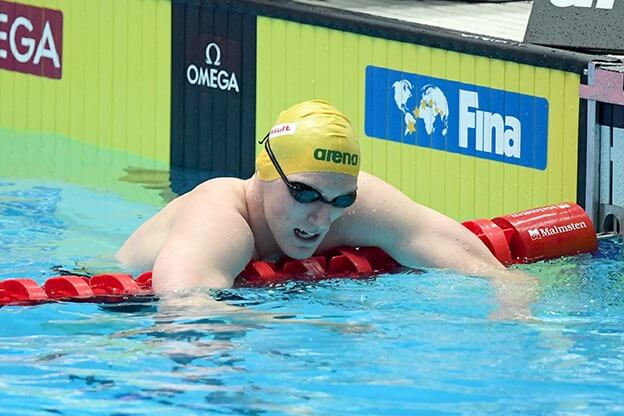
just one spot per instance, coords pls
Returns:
(399, 344)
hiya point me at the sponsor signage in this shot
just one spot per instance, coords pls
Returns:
(578, 24)
(538, 233)
(542, 232)
(210, 73)
(31, 39)
(551, 209)
(213, 87)
(456, 117)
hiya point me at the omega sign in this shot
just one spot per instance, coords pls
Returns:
(211, 75)
(31, 39)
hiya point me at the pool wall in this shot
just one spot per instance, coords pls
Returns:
(113, 90)
(429, 166)
(483, 126)
(85, 94)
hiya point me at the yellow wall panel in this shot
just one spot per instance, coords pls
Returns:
(351, 78)
(570, 152)
(556, 145)
(160, 91)
(115, 85)
(540, 193)
(365, 48)
(321, 72)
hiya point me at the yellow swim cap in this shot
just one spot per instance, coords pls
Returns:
(311, 136)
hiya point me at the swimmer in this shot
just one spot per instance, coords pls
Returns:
(307, 195)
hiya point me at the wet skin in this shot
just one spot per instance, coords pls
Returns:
(206, 237)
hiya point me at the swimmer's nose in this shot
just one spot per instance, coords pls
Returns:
(321, 216)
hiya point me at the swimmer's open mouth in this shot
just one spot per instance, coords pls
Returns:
(305, 235)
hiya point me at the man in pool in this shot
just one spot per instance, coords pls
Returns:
(307, 195)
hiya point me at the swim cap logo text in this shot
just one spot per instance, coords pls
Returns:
(31, 39)
(336, 156)
(283, 130)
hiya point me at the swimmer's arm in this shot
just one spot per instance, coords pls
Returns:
(413, 234)
(446, 243)
(418, 236)
(206, 248)
(432, 239)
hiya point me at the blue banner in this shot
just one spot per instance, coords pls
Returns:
(455, 117)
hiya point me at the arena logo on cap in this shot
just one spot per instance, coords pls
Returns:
(456, 117)
(31, 39)
(212, 76)
(336, 156)
(283, 130)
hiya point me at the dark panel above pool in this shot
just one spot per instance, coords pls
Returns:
(213, 89)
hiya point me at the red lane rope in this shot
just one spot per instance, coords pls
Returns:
(114, 287)
(527, 236)
(537, 234)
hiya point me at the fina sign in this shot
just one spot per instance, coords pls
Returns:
(577, 24)
(31, 39)
(455, 117)
(211, 75)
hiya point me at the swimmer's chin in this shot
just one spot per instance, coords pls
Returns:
(301, 249)
(301, 253)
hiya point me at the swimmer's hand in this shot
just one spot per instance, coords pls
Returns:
(515, 291)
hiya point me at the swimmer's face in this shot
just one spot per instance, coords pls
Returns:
(299, 228)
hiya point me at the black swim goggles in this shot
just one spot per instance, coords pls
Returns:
(303, 193)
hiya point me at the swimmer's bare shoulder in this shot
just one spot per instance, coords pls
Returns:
(193, 238)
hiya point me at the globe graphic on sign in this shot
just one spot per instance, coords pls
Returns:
(431, 108)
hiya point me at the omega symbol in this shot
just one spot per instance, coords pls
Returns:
(213, 51)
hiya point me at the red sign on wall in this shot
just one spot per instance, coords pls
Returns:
(31, 39)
